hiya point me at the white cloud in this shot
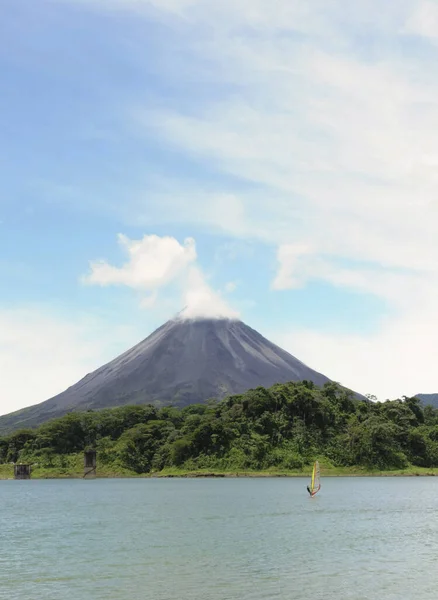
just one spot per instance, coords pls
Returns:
(289, 257)
(155, 262)
(299, 264)
(152, 263)
(424, 20)
(41, 354)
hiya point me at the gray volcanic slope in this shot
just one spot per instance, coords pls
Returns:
(428, 399)
(182, 362)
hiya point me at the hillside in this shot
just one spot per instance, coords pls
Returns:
(182, 362)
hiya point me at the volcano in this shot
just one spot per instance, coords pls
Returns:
(185, 361)
(428, 399)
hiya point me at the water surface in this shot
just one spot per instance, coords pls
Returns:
(219, 539)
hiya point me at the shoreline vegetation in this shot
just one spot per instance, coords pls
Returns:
(275, 432)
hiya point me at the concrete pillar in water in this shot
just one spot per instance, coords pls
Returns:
(90, 464)
(22, 471)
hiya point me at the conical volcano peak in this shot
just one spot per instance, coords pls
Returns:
(187, 360)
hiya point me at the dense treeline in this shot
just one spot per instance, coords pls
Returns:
(284, 427)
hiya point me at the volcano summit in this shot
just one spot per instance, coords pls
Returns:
(185, 361)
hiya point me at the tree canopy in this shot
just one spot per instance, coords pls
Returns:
(285, 427)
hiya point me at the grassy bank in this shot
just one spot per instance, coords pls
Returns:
(103, 471)
(325, 472)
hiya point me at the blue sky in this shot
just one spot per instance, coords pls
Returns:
(271, 160)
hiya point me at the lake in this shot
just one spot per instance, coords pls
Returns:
(219, 539)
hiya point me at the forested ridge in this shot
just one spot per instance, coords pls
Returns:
(285, 427)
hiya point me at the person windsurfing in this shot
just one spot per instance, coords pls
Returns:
(315, 485)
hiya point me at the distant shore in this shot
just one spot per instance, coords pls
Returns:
(7, 472)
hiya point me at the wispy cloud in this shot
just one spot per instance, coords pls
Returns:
(342, 144)
(337, 141)
(331, 115)
(316, 123)
(424, 20)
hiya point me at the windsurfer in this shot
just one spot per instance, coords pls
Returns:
(315, 484)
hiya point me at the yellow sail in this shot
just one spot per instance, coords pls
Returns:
(315, 483)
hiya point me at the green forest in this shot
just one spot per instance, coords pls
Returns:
(281, 429)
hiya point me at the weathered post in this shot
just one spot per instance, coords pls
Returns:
(22, 471)
(90, 464)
